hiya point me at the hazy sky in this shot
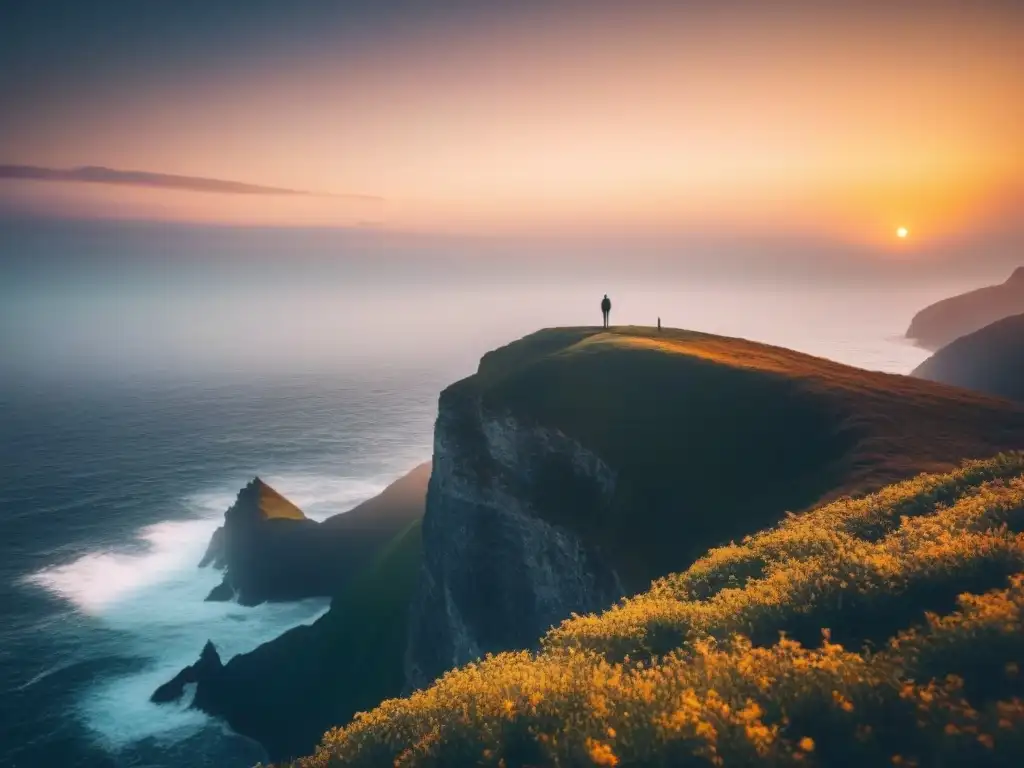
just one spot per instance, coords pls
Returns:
(824, 120)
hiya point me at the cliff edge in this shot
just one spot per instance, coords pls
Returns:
(578, 464)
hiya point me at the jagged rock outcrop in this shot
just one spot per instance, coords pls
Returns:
(941, 323)
(269, 550)
(287, 692)
(990, 360)
(208, 668)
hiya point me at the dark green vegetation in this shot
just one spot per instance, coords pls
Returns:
(990, 360)
(939, 324)
(713, 438)
(289, 691)
(884, 630)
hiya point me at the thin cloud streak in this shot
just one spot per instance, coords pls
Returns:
(93, 174)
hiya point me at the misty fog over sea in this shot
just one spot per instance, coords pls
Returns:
(147, 372)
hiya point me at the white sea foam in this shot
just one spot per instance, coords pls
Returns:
(153, 599)
(98, 581)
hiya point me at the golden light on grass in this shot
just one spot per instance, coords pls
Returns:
(705, 663)
(274, 505)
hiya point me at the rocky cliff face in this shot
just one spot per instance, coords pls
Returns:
(496, 573)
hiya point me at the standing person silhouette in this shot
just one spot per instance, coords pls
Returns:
(606, 308)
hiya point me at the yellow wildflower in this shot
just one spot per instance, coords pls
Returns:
(600, 753)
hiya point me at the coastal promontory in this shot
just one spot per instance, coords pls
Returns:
(940, 323)
(575, 466)
(269, 550)
(990, 360)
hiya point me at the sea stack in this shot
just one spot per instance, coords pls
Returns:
(267, 549)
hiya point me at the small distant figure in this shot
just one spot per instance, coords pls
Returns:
(606, 308)
(659, 325)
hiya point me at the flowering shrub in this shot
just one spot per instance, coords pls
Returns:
(885, 630)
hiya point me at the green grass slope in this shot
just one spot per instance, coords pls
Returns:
(883, 630)
(715, 437)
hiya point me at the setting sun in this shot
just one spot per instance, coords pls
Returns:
(902, 232)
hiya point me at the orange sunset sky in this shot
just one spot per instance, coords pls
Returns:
(827, 119)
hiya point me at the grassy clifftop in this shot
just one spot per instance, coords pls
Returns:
(715, 437)
(885, 630)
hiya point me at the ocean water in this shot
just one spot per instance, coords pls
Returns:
(109, 498)
(133, 409)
